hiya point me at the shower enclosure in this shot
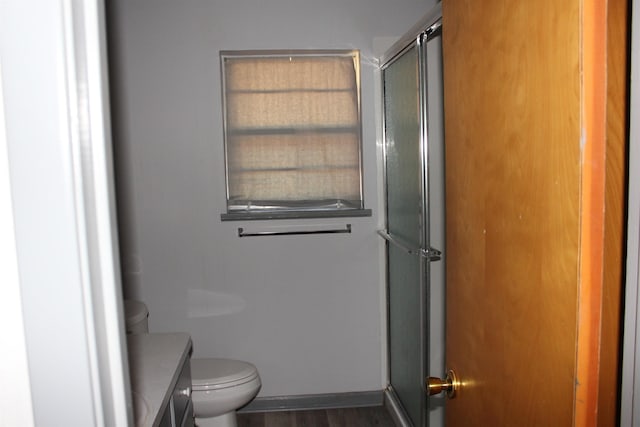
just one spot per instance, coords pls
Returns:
(414, 195)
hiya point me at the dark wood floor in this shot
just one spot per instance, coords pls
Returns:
(347, 417)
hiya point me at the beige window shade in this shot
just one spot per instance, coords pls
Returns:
(292, 130)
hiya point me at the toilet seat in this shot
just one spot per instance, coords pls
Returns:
(214, 374)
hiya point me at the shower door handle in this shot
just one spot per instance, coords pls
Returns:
(430, 254)
(433, 254)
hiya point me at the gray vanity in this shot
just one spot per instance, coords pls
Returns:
(161, 379)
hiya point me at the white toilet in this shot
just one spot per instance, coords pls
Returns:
(219, 386)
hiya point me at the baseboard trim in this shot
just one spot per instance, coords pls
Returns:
(315, 401)
(395, 409)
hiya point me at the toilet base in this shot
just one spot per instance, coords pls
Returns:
(224, 420)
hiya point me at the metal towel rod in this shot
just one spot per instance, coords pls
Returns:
(241, 232)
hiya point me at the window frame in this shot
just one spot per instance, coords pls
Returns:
(298, 208)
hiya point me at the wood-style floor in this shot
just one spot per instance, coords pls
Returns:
(346, 417)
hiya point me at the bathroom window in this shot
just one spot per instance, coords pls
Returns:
(292, 134)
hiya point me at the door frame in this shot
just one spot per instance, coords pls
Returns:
(630, 393)
(63, 215)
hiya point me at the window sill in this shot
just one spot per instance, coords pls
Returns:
(250, 216)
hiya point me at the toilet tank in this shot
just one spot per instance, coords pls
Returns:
(136, 317)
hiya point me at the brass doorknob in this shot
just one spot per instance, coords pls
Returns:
(450, 385)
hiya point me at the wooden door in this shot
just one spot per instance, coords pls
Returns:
(525, 115)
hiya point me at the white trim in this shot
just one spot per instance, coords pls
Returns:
(95, 204)
(58, 144)
(358, 399)
(15, 395)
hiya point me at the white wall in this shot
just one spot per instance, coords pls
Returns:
(307, 309)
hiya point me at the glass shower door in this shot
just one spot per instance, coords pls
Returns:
(406, 232)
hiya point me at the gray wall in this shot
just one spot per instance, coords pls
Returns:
(307, 310)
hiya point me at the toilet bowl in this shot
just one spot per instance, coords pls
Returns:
(219, 386)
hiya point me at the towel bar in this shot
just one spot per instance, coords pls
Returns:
(241, 232)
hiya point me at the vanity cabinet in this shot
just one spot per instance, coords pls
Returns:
(160, 371)
(181, 404)
(179, 410)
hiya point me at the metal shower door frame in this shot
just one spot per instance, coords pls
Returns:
(417, 37)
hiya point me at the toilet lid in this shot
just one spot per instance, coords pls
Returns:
(219, 373)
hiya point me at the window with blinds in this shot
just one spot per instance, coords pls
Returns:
(292, 132)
